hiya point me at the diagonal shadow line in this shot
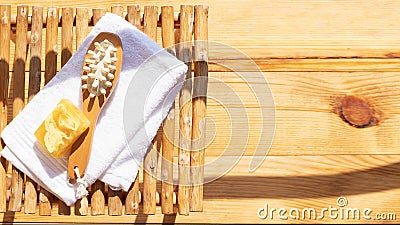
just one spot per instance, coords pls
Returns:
(169, 219)
(352, 183)
(8, 217)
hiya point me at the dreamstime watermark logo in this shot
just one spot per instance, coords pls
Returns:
(339, 211)
(142, 109)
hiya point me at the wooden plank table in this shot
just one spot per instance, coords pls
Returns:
(312, 53)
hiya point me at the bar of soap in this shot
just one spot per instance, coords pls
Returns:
(61, 128)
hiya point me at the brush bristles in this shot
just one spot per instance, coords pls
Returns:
(99, 68)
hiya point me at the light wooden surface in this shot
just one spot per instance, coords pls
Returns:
(150, 160)
(311, 54)
(132, 198)
(52, 51)
(281, 182)
(306, 123)
(98, 199)
(185, 107)
(67, 37)
(320, 29)
(114, 202)
(82, 22)
(199, 107)
(35, 76)
(168, 126)
(35, 64)
(18, 98)
(4, 81)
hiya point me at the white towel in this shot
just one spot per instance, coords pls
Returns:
(117, 150)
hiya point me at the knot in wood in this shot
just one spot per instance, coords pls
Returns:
(357, 112)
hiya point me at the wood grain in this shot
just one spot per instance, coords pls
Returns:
(45, 202)
(150, 160)
(51, 51)
(82, 25)
(5, 25)
(114, 202)
(132, 198)
(18, 82)
(199, 104)
(35, 63)
(133, 15)
(302, 126)
(18, 77)
(267, 64)
(98, 199)
(338, 31)
(185, 109)
(51, 43)
(307, 41)
(303, 65)
(97, 14)
(236, 197)
(118, 10)
(82, 207)
(67, 22)
(168, 126)
(35, 76)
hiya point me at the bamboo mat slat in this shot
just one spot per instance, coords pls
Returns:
(4, 83)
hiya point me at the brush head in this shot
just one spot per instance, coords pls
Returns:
(99, 68)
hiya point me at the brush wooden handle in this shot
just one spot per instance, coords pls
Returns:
(91, 107)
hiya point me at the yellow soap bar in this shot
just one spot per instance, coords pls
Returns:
(61, 128)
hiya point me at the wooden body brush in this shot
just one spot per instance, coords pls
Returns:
(99, 76)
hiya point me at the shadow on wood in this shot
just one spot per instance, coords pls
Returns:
(353, 183)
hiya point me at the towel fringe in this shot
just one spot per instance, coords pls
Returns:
(81, 192)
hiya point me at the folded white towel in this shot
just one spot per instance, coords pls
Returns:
(117, 149)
